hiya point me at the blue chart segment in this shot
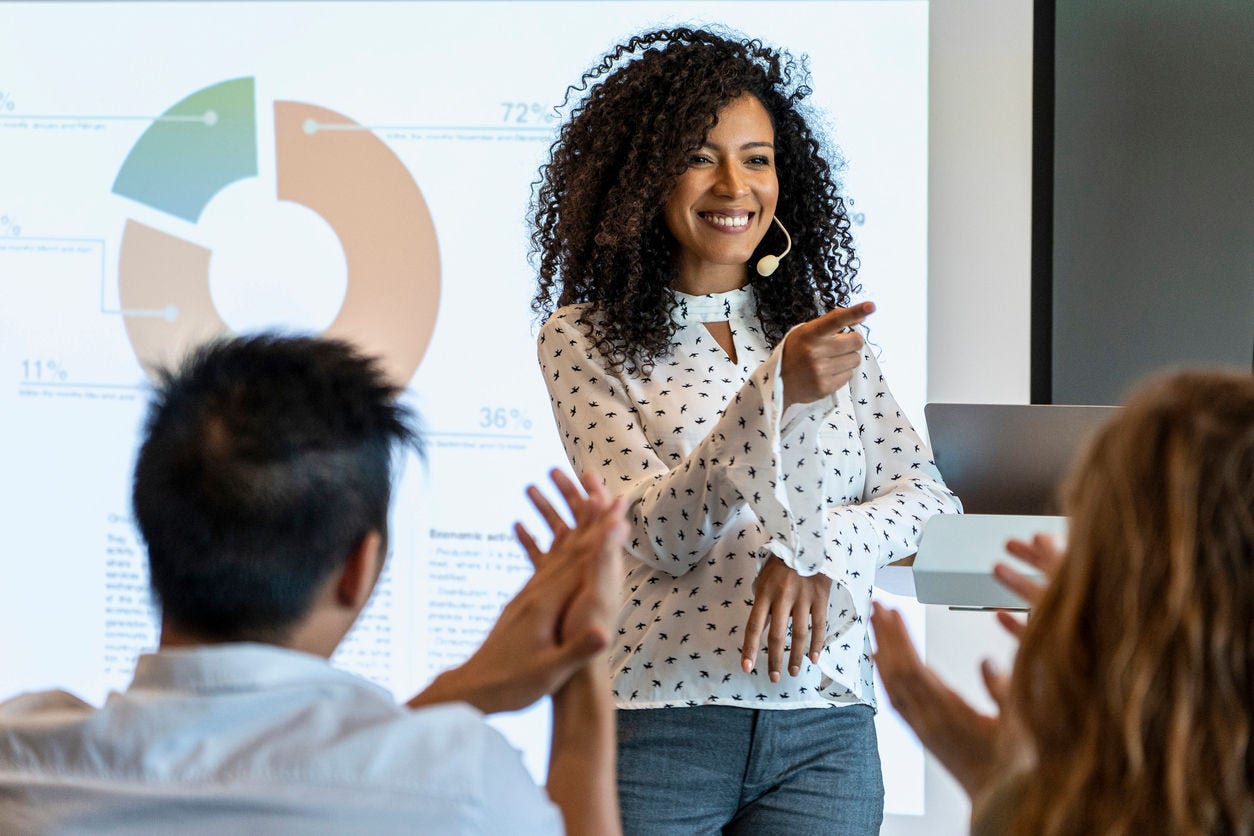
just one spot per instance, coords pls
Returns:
(195, 149)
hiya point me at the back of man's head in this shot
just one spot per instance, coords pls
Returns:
(266, 460)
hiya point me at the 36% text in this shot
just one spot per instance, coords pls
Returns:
(503, 418)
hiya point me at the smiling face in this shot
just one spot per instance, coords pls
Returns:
(724, 201)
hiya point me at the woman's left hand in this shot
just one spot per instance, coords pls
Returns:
(780, 595)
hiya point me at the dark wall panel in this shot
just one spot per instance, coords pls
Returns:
(1153, 210)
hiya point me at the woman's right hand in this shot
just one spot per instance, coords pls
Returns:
(1042, 553)
(965, 741)
(821, 355)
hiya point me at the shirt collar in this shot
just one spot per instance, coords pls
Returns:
(231, 667)
(714, 307)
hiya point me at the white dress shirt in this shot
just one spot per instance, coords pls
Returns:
(252, 738)
(719, 480)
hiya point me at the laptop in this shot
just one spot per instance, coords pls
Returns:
(1009, 458)
(1005, 462)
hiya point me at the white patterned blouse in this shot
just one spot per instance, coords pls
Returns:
(718, 481)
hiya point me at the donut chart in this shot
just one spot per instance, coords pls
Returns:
(327, 163)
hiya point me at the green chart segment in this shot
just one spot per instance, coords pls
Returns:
(180, 163)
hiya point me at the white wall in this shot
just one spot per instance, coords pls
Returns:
(979, 192)
(979, 263)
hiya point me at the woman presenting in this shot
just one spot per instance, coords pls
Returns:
(724, 390)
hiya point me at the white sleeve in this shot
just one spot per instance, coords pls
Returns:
(902, 486)
(515, 804)
(848, 537)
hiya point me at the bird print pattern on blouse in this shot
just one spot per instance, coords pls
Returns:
(718, 481)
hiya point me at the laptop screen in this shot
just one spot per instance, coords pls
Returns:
(1009, 458)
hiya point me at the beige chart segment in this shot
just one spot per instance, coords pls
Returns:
(349, 177)
(361, 188)
(159, 272)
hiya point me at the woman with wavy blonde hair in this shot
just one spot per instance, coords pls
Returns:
(1129, 708)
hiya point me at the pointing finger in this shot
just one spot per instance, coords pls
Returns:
(837, 319)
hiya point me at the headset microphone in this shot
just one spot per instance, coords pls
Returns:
(768, 263)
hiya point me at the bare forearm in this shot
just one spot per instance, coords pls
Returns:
(582, 773)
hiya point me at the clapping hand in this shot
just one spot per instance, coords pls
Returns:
(589, 613)
(562, 616)
(1040, 553)
(965, 741)
(961, 738)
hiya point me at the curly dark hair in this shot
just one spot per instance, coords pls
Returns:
(597, 210)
